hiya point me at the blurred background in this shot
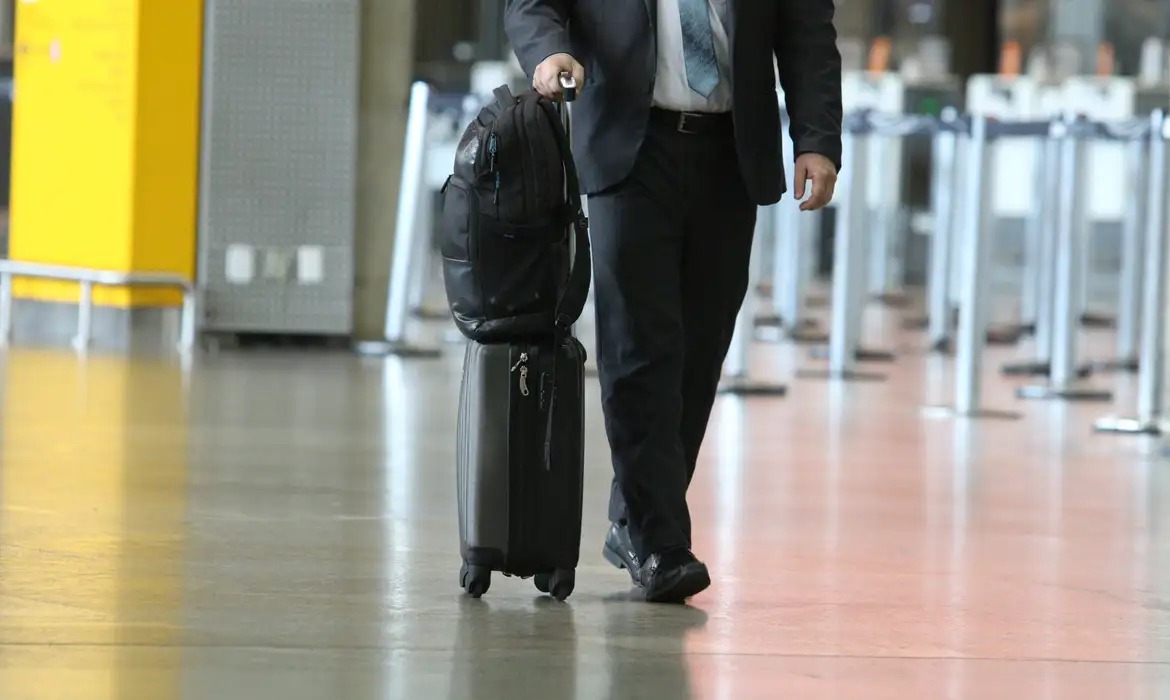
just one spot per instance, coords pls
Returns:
(372, 50)
(253, 74)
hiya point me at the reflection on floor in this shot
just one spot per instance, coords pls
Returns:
(282, 526)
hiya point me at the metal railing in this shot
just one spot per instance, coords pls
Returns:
(87, 279)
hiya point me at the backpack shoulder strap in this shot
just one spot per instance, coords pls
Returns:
(572, 302)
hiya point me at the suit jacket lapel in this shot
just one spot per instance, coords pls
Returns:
(652, 10)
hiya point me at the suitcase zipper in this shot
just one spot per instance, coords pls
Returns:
(521, 510)
(522, 365)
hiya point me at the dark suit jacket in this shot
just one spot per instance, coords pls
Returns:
(615, 41)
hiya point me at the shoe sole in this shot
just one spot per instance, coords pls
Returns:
(616, 559)
(692, 580)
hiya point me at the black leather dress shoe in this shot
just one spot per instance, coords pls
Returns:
(619, 551)
(673, 576)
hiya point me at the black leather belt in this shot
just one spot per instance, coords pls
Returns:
(691, 122)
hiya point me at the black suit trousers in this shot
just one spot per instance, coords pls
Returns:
(671, 247)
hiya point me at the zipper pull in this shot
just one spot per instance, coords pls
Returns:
(523, 360)
(492, 148)
(522, 365)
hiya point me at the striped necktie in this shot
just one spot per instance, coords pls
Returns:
(699, 46)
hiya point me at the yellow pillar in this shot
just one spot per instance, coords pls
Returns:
(106, 141)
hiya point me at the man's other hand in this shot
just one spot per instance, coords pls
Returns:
(822, 172)
(547, 80)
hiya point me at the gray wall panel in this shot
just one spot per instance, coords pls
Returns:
(279, 164)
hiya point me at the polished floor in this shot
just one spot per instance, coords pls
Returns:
(282, 525)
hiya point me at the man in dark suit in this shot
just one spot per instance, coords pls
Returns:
(677, 140)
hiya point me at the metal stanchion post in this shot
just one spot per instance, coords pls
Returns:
(781, 215)
(1012, 333)
(1045, 267)
(790, 272)
(1129, 304)
(790, 262)
(81, 341)
(1130, 313)
(884, 248)
(188, 319)
(1034, 244)
(801, 243)
(426, 262)
(974, 257)
(849, 278)
(1071, 243)
(770, 282)
(784, 223)
(940, 314)
(406, 238)
(5, 310)
(737, 371)
(1151, 360)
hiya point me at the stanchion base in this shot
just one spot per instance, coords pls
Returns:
(776, 321)
(862, 355)
(1118, 365)
(946, 346)
(752, 388)
(1028, 369)
(846, 376)
(1092, 320)
(382, 348)
(1128, 426)
(916, 324)
(1005, 335)
(809, 336)
(894, 300)
(1056, 393)
(953, 412)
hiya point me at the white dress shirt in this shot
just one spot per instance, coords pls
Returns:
(671, 90)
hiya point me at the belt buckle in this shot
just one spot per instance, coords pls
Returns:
(682, 123)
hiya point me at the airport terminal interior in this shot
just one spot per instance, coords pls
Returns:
(230, 379)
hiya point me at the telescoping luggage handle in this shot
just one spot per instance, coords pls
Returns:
(568, 86)
(577, 291)
(568, 96)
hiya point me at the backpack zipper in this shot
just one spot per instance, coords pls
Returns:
(492, 147)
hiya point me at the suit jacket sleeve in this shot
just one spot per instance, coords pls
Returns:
(809, 64)
(537, 29)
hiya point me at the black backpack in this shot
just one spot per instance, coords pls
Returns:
(507, 211)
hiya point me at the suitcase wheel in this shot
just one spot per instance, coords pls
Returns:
(476, 580)
(560, 584)
(543, 582)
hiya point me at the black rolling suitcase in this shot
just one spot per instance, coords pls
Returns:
(520, 462)
(520, 437)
